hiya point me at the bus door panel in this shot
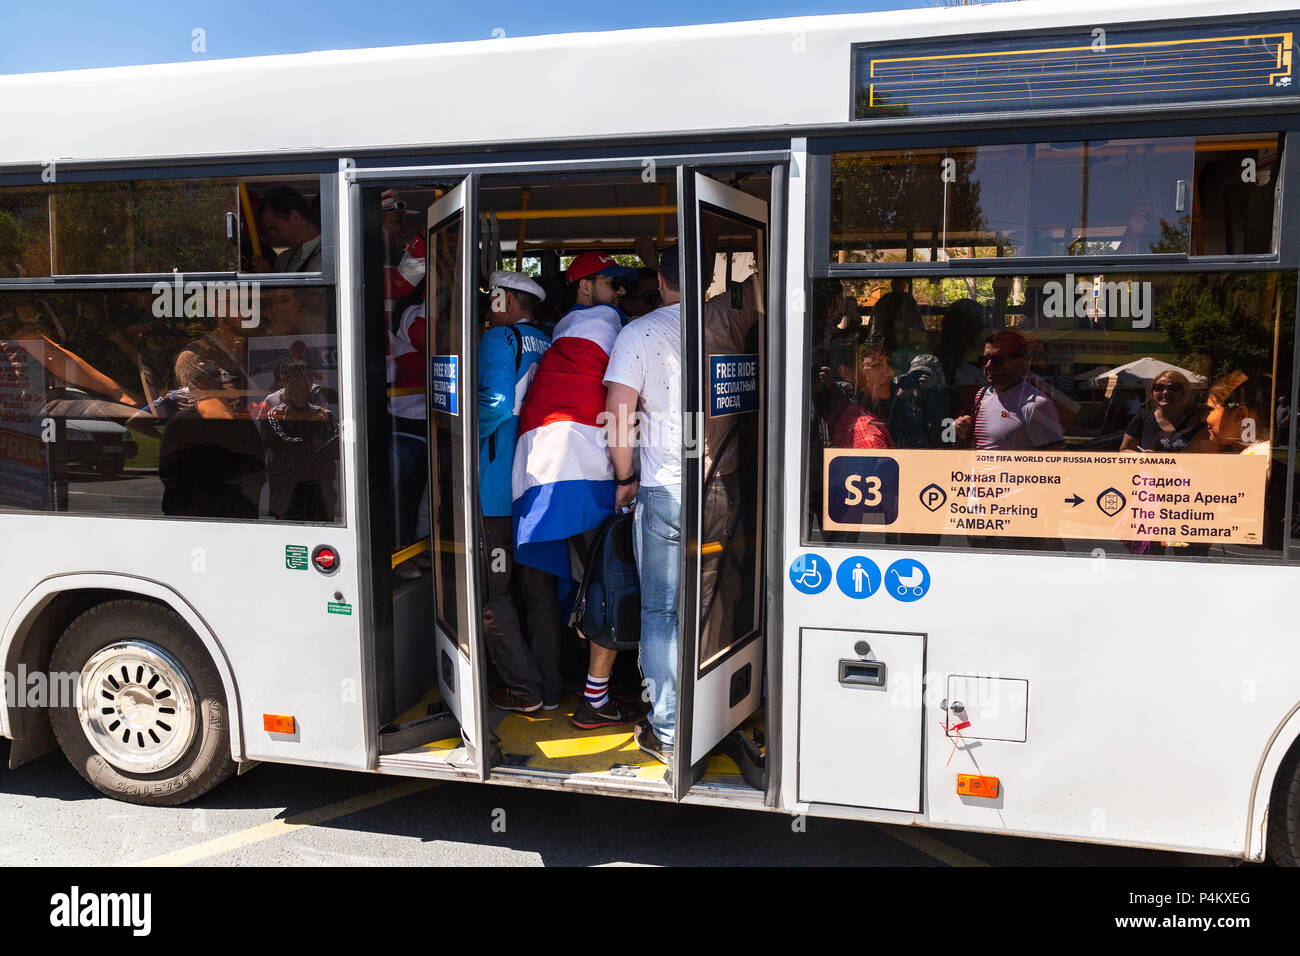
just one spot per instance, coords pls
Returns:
(725, 309)
(454, 526)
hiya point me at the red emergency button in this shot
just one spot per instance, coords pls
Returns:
(325, 558)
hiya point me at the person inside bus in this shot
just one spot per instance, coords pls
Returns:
(1174, 420)
(1009, 413)
(644, 378)
(288, 220)
(642, 295)
(211, 459)
(564, 485)
(508, 356)
(302, 449)
(895, 314)
(859, 424)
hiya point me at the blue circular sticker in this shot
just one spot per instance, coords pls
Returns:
(907, 580)
(858, 577)
(810, 573)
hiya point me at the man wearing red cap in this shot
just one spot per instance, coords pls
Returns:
(563, 482)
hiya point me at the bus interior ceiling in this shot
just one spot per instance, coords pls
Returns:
(552, 219)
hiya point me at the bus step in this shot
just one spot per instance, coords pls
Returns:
(397, 738)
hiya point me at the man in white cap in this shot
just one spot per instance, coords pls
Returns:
(508, 355)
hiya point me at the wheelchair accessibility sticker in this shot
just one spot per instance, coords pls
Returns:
(858, 577)
(810, 573)
(907, 580)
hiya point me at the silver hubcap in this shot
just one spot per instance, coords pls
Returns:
(136, 706)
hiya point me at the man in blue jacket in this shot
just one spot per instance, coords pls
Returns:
(508, 357)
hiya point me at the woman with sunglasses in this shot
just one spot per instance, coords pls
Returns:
(1174, 420)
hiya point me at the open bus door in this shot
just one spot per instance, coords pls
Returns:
(453, 511)
(724, 316)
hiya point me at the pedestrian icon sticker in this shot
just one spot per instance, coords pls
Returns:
(907, 580)
(810, 573)
(858, 577)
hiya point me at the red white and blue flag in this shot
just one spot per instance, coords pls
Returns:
(563, 480)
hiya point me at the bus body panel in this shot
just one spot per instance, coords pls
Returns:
(1145, 689)
(793, 71)
(287, 653)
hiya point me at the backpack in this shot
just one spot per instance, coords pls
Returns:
(607, 608)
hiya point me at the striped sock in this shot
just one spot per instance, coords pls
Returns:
(597, 692)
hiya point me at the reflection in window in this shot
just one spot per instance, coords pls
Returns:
(1201, 196)
(123, 402)
(24, 232)
(1156, 365)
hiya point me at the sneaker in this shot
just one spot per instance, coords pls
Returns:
(646, 739)
(551, 704)
(612, 714)
(506, 699)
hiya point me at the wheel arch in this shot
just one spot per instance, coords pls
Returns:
(43, 615)
(1286, 736)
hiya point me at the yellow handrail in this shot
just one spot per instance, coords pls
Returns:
(406, 554)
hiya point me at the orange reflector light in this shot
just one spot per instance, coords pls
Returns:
(969, 785)
(277, 724)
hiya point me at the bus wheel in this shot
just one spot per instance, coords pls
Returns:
(148, 722)
(1284, 812)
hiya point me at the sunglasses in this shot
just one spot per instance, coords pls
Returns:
(999, 359)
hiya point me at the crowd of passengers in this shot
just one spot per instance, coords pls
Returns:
(579, 416)
(940, 401)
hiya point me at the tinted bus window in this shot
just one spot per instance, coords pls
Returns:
(24, 232)
(1202, 196)
(220, 403)
(1135, 413)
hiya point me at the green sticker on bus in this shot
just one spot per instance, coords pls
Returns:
(338, 607)
(295, 557)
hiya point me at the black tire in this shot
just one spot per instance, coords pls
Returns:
(109, 469)
(1284, 812)
(204, 763)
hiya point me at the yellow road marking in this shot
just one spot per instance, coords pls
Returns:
(268, 831)
(919, 840)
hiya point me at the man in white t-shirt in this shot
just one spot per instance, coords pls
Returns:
(644, 381)
(1009, 413)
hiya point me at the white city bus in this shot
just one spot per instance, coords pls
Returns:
(987, 526)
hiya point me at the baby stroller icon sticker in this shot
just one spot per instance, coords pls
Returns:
(907, 580)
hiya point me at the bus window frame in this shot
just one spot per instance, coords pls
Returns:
(327, 173)
(1021, 129)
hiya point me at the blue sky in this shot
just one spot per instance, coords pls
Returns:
(77, 34)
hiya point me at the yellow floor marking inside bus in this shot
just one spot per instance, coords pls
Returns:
(276, 828)
(548, 740)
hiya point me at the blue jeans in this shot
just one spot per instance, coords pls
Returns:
(658, 557)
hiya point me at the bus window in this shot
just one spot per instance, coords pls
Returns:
(24, 232)
(1209, 195)
(1133, 413)
(201, 400)
(145, 226)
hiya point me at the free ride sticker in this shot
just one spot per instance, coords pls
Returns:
(1059, 494)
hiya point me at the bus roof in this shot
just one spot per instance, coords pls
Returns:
(759, 74)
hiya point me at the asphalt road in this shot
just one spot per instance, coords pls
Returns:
(279, 815)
